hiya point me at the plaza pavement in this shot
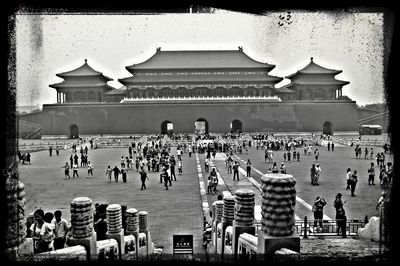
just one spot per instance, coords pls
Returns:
(174, 211)
(179, 210)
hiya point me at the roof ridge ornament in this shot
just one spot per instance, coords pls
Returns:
(85, 61)
(240, 48)
(158, 49)
(312, 59)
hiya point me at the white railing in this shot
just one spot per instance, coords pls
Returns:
(200, 98)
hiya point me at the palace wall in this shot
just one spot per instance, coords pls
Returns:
(146, 118)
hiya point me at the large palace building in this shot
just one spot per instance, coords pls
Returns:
(196, 91)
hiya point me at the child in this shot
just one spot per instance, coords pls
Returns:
(179, 167)
(46, 238)
(90, 169)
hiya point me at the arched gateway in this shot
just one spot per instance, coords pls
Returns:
(167, 127)
(327, 128)
(236, 126)
(73, 131)
(201, 126)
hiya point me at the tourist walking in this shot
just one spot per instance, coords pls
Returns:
(353, 182)
(71, 160)
(172, 167)
(236, 170)
(116, 173)
(318, 209)
(371, 174)
(340, 215)
(143, 177)
(90, 169)
(124, 172)
(180, 167)
(164, 176)
(313, 173)
(66, 170)
(316, 153)
(108, 173)
(248, 168)
(206, 164)
(318, 173)
(348, 178)
(50, 150)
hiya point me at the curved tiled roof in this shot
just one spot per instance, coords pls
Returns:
(313, 68)
(197, 59)
(82, 71)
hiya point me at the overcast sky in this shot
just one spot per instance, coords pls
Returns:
(50, 44)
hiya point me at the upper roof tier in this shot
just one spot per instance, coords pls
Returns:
(201, 78)
(82, 71)
(313, 68)
(199, 59)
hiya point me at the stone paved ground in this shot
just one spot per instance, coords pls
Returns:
(174, 211)
(179, 210)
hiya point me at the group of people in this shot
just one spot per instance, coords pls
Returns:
(73, 164)
(287, 156)
(340, 217)
(24, 158)
(315, 173)
(48, 230)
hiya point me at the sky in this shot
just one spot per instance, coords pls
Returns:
(47, 44)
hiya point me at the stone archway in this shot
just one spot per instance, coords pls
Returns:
(73, 131)
(201, 126)
(236, 126)
(167, 127)
(327, 128)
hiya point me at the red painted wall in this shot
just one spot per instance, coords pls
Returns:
(108, 118)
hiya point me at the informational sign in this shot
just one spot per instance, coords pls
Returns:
(182, 244)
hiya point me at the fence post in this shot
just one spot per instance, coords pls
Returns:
(305, 227)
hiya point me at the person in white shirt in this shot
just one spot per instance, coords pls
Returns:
(90, 169)
(60, 230)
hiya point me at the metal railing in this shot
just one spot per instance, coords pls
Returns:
(305, 228)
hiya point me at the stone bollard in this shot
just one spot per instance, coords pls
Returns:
(219, 208)
(228, 215)
(82, 226)
(244, 217)
(143, 228)
(277, 222)
(16, 242)
(114, 226)
(132, 227)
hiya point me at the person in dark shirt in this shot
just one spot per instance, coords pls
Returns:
(165, 177)
(100, 226)
(143, 177)
(318, 210)
(116, 173)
